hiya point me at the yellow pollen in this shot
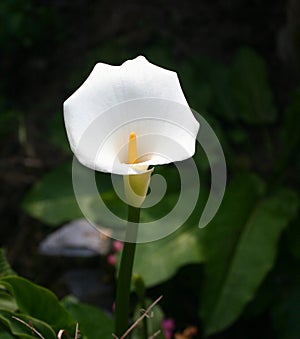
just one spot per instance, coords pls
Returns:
(132, 149)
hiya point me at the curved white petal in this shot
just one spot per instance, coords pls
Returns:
(134, 97)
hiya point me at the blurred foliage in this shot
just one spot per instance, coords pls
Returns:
(27, 309)
(249, 238)
(93, 322)
(154, 262)
(52, 199)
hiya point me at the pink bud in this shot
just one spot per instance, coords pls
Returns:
(117, 246)
(111, 260)
(168, 326)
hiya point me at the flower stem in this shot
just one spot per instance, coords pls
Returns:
(125, 272)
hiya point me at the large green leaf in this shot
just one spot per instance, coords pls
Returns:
(251, 91)
(38, 302)
(92, 321)
(159, 260)
(240, 246)
(52, 199)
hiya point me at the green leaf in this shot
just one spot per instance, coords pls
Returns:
(240, 246)
(92, 321)
(20, 329)
(253, 97)
(159, 260)
(39, 303)
(5, 268)
(5, 335)
(7, 301)
(52, 199)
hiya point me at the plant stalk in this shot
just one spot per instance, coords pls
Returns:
(125, 273)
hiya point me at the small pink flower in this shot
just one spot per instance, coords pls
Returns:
(168, 326)
(117, 246)
(111, 260)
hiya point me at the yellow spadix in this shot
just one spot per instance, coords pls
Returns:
(136, 185)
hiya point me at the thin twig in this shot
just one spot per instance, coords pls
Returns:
(154, 335)
(29, 326)
(77, 332)
(64, 332)
(145, 314)
(61, 333)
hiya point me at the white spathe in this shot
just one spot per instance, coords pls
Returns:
(135, 97)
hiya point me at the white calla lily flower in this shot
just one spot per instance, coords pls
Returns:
(122, 120)
(136, 97)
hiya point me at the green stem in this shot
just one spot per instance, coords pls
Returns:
(125, 272)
